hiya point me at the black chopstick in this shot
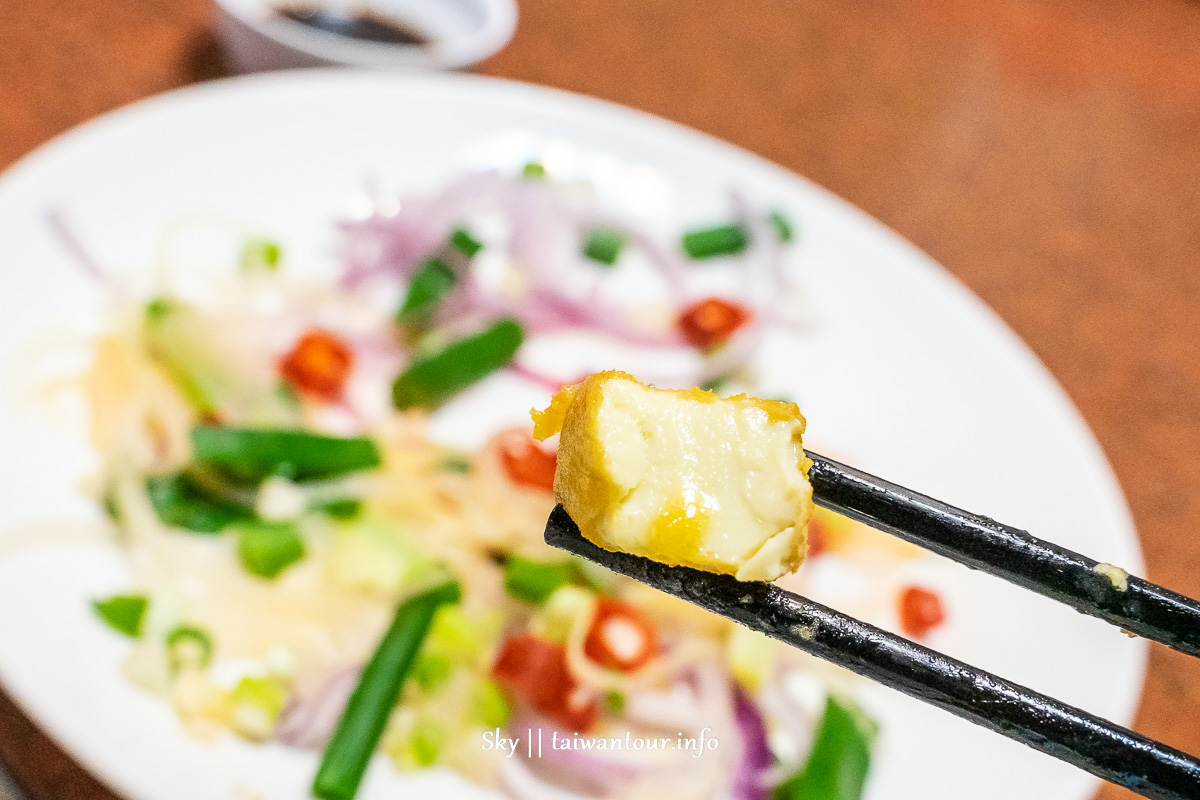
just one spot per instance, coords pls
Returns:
(1109, 751)
(1142, 608)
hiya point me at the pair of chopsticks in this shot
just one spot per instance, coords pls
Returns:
(1107, 750)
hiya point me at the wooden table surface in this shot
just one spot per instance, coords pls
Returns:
(1047, 153)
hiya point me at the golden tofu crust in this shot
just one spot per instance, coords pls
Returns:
(706, 519)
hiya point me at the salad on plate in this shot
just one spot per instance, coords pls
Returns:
(312, 566)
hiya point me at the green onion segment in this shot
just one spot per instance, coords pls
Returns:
(260, 254)
(344, 509)
(716, 383)
(782, 225)
(268, 548)
(180, 501)
(189, 647)
(432, 380)
(534, 171)
(428, 286)
(465, 243)
(839, 760)
(123, 612)
(456, 463)
(723, 240)
(366, 715)
(604, 245)
(250, 455)
(534, 581)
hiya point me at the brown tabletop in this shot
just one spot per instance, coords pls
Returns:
(1047, 153)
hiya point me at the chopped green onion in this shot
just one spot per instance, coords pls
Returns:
(436, 378)
(556, 617)
(250, 455)
(205, 365)
(110, 503)
(343, 509)
(431, 671)
(260, 254)
(376, 557)
(268, 548)
(602, 579)
(782, 225)
(534, 171)
(456, 634)
(366, 714)
(839, 760)
(189, 647)
(425, 291)
(604, 245)
(123, 612)
(724, 240)
(429, 738)
(615, 702)
(489, 706)
(180, 501)
(256, 706)
(534, 581)
(456, 463)
(157, 308)
(465, 243)
(717, 383)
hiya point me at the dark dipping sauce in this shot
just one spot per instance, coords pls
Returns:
(354, 25)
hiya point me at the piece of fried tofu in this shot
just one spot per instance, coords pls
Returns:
(682, 476)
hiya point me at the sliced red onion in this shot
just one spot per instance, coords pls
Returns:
(792, 720)
(755, 755)
(548, 382)
(604, 768)
(520, 782)
(673, 710)
(309, 722)
(70, 242)
(562, 294)
(668, 261)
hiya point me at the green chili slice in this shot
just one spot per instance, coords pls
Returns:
(362, 723)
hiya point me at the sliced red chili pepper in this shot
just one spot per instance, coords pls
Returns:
(920, 611)
(318, 365)
(536, 670)
(620, 638)
(526, 462)
(711, 321)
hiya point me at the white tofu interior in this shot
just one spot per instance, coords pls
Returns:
(715, 483)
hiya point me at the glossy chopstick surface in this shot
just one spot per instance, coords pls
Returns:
(1096, 745)
(1139, 607)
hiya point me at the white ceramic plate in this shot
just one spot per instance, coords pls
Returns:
(905, 372)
